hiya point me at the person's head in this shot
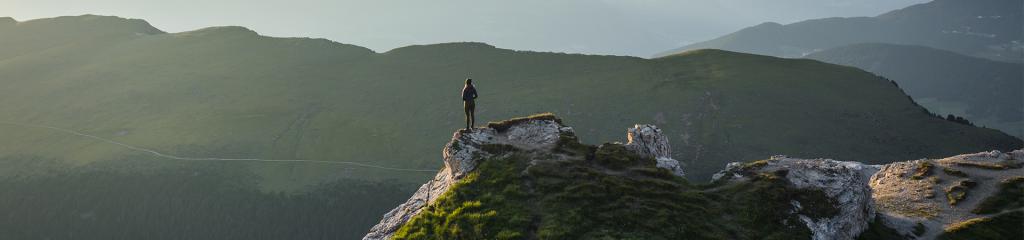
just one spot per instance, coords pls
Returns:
(469, 81)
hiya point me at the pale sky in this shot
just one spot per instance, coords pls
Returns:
(615, 27)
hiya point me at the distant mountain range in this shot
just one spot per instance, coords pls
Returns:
(227, 92)
(981, 28)
(957, 57)
(987, 92)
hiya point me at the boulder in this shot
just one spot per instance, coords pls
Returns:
(648, 141)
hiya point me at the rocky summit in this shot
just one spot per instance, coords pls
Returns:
(531, 178)
(464, 152)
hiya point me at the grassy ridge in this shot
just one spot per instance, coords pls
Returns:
(984, 91)
(230, 92)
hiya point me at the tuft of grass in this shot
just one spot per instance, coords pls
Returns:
(755, 164)
(923, 170)
(616, 156)
(1002, 226)
(501, 126)
(954, 172)
(982, 165)
(1009, 196)
(958, 192)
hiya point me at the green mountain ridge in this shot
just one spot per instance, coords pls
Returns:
(228, 93)
(984, 91)
(228, 80)
(989, 29)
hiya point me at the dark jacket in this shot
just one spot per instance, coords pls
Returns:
(468, 93)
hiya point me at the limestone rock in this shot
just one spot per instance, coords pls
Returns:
(844, 182)
(647, 140)
(461, 155)
(462, 152)
(913, 194)
(394, 219)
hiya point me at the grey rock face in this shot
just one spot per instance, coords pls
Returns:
(647, 140)
(461, 155)
(394, 219)
(844, 182)
(534, 135)
(462, 152)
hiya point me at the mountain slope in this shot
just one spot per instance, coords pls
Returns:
(228, 92)
(986, 92)
(989, 29)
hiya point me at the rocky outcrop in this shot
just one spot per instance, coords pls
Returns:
(647, 140)
(847, 196)
(463, 153)
(394, 219)
(921, 198)
(845, 183)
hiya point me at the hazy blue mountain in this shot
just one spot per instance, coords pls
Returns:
(988, 93)
(227, 92)
(981, 28)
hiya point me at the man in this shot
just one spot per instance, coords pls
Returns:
(469, 103)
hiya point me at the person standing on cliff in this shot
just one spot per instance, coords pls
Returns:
(469, 103)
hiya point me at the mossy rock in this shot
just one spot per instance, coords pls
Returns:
(502, 126)
(517, 197)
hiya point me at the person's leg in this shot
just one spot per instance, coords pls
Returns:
(465, 106)
(472, 115)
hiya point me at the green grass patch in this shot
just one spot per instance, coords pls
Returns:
(486, 204)
(616, 156)
(999, 227)
(954, 172)
(923, 170)
(958, 192)
(1009, 196)
(983, 165)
